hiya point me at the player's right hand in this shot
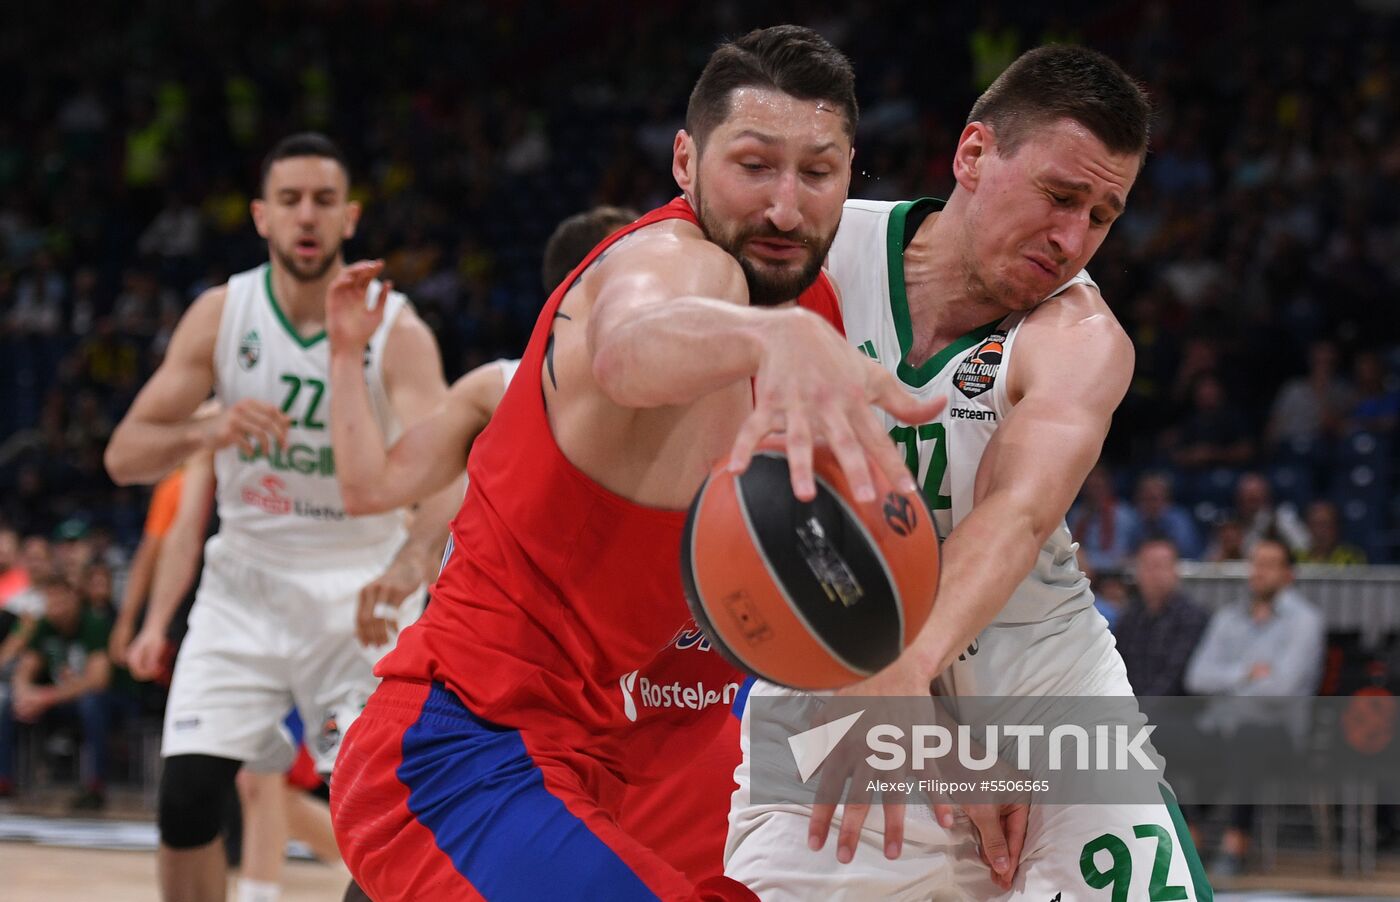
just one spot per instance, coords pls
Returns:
(146, 655)
(350, 321)
(250, 424)
(810, 385)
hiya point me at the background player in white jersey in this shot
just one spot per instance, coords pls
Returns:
(953, 301)
(273, 623)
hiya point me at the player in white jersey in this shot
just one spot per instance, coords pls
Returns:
(274, 620)
(985, 302)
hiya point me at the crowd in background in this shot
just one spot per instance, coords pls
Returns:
(1257, 267)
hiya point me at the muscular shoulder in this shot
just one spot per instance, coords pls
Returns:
(198, 329)
(409, 335)
(1074, 339)
(678, 254)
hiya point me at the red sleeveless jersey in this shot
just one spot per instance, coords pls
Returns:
(559, 608)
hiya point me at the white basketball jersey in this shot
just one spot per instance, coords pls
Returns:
(867, 262)
(284, 507)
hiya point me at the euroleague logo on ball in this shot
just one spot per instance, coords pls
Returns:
(900, 514)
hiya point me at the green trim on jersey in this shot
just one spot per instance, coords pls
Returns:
(917, 376)
(282, 317)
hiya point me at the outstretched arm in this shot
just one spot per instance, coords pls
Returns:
(429, 455)
(671, 323)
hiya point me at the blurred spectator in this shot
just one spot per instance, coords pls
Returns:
(1269, 645)
(1255, 509)
(1110, 595)
(1214, 432)
(36, 559)
(72, 550)
(97, 591)
(1102, 523)
(1377, 407)
(1311, 408)
(1226, 542)
(1158, 518)
(63, 675)
(14, 579)
(1325, 545)
(1161, 626)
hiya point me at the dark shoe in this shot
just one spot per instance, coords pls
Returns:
(91, 799)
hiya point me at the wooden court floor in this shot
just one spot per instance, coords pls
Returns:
(33, 873)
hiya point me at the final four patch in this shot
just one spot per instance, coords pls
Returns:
(978, 370)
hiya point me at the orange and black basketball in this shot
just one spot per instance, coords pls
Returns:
(811, 595)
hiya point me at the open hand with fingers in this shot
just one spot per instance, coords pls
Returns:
(847, 776)
(811, 385)
(350, 320)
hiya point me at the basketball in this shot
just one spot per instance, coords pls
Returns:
(810, 595)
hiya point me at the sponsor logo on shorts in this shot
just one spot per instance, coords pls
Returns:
(978, 371)
(186, 723)
(972, 413)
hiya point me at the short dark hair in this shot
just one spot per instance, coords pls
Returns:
(788, 58)
(575, 237)
(1157, 540)
(1063, 81)
(1290, 557)
(303, 144)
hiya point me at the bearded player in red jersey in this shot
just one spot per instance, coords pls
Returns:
(491, 761)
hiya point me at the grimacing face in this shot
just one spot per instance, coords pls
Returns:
(306, 214)
(768, 187)
(1037, 216)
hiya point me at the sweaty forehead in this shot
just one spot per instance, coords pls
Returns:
(774, 117)
(305, 174)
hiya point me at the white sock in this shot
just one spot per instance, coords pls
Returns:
(258, 891)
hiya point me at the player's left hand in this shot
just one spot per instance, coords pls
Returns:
(350, 321)
(381, 596)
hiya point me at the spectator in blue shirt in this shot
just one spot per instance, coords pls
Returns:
(1102, 523)
(1268, 647)
(1159, 518)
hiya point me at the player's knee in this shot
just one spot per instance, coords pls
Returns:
(193, 792)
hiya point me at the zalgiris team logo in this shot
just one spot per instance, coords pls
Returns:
(978, 371)
(249, 350)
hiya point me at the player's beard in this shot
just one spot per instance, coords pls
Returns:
(767, 286)
(306, 272)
